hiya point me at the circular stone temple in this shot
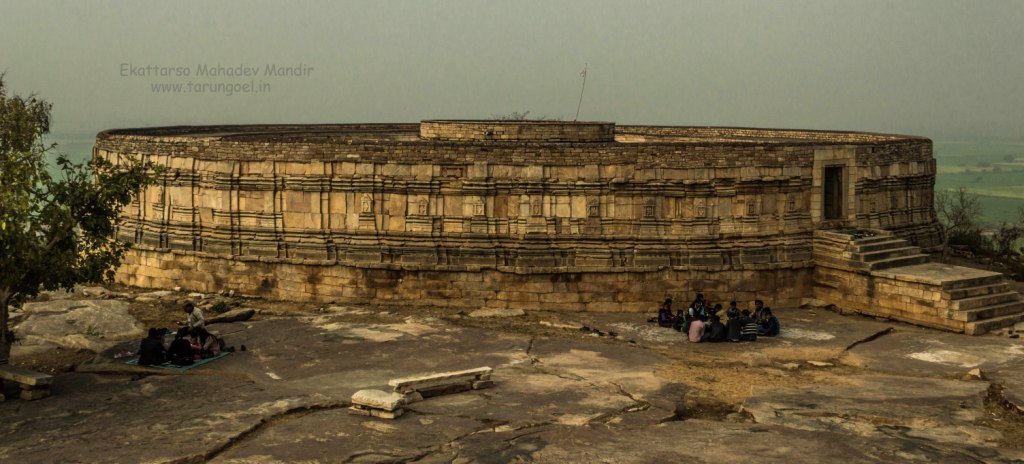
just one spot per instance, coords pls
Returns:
(552, 215)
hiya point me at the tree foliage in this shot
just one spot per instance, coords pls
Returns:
(959, 213)
(55, 231)
(524, 116)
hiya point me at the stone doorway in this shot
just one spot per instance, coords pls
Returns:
(833, 197)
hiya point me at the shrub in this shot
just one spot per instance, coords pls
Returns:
(220, 307)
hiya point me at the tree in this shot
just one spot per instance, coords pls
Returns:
(58, 231)
(1005, 238)
(958, 212)
(524, 116)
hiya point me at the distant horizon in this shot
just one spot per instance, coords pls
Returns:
(942, 69)
(66, 133)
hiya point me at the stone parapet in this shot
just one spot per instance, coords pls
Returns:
(518, 131)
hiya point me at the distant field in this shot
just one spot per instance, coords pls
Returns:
(994, 171)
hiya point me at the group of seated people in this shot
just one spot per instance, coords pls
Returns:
(702, 322)
(191, 343)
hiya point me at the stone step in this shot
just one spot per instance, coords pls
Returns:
(988, 325)
(898, 261)
(989, 312)
(872, 239)
(24, 376)
(839, 262)
(968, 292)
(972, 282)
(835, 248)
(886, 244)
(982, 301)
(878, 255)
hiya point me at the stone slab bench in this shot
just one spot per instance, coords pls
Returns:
(390, 405)
(443, 382)
(377, 403)
(34, 385)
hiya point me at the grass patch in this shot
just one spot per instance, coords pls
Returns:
(992, 170)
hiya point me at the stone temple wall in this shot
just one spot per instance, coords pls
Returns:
(554, 215)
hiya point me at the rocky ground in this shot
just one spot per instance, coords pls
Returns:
(569, 388)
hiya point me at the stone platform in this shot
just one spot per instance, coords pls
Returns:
(879, 274)
(558, 396)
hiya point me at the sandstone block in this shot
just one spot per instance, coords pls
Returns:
(24, 376)
(975, 374)
(480, 384)
(497, 312)
(37, 394)
(377, 399)
(387, 414)
(422, 382)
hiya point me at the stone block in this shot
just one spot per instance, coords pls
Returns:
(24, 376)
(378, 399)
(35, 394)
(496, 312)
(481, 384)
(362, 411)
(413, 396)
(559, 297)
(421, 382)
(387, 414)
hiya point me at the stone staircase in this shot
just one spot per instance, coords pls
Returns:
(863, 252)
(874, 272)
(982, 303)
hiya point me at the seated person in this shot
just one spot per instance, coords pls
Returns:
(696, 330)
(680, 318)
(181, 352)
(759, 308)
(152, 350)
(682, 323)
(194, 317)
(733, 311)
(748, 332)
(206, 344)
(733, 328)
(698, 310)
(665, 317)
(715, 331)
(770, 327)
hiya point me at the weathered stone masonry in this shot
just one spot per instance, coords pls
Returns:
(536, 215)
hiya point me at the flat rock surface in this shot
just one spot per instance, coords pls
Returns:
(938, 354)
(701, 441)
(76, 324)
(806, 334)
(572, 398)
(872, 405)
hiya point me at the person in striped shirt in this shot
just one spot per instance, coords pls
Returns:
(748, 331)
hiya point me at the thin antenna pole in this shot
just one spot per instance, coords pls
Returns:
(584, 87)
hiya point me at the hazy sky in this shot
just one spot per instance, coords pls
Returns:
(937, 68)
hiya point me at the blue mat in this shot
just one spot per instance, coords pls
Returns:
(134, 361)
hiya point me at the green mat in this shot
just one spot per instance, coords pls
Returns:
(134, 361)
